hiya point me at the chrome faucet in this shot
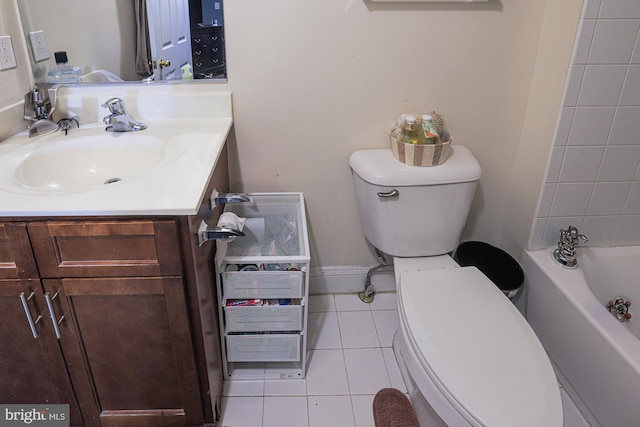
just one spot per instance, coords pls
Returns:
(119, 120)
(565, 254)
(37, 109)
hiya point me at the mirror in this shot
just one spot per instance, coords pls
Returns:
(102, 38)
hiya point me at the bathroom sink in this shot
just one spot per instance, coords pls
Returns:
(89, 161)
(162, 170)
(85, 159)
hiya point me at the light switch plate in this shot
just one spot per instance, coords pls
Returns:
(7, 57)
(39, 46)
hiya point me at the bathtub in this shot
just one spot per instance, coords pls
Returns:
(597, 357)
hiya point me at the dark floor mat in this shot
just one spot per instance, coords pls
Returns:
(391, 408)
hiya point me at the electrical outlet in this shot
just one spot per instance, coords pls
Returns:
(39, 46)
(7, 58)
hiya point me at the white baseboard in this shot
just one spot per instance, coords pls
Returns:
(348, 279)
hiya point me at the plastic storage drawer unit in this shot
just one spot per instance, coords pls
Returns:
(264, 288)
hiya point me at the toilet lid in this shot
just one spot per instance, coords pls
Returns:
(477, 348)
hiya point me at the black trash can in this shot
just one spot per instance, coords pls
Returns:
(495, 263)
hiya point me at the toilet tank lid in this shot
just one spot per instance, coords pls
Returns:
(379, 167)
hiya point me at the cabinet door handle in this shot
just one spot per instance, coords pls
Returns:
(54, 321)
(32, 323)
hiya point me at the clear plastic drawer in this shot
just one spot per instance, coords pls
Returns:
(262, 284)
(263, 348)
(275, 230)
(263, 318)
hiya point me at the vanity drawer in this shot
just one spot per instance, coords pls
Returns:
(262, 284)
(106, 248)
(263, 348)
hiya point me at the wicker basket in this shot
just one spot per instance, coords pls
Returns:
(419, 154)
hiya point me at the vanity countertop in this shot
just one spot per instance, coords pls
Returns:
(174, 187)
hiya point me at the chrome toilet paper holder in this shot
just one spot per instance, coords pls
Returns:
(206, 233)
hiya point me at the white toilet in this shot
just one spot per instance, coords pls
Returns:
(466, 354)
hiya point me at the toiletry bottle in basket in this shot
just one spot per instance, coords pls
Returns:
(410, 131)
(429, 131)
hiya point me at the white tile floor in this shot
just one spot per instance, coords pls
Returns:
(350, 359)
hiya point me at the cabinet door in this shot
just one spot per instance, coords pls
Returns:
(32, 370)
(128, 347)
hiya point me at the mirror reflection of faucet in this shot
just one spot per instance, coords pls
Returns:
(119, 120)
(67, 123)
(38, 109)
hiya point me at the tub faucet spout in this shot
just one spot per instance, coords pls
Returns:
(565, 253)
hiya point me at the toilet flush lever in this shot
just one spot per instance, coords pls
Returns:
(388, 194)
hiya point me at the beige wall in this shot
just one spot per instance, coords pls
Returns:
(14, 83)
(314, 81)
(530, 164)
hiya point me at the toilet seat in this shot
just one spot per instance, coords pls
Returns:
(497, 372)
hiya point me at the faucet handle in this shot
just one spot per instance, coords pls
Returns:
(572, 235)
(36, 96)
(116, 106)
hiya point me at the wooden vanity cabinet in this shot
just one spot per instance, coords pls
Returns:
(119, 297)
(134, 301)
(33, 370)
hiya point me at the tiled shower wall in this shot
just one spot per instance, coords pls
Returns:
(593, 179)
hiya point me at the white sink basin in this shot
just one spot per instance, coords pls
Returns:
(87, 158)
(162, 170)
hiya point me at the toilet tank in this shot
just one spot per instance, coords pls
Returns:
(414, 211)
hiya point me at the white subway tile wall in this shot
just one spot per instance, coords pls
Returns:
(593, 178)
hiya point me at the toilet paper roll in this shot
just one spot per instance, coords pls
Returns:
(255, 229)
(227, 220)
